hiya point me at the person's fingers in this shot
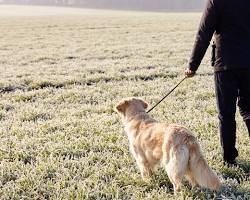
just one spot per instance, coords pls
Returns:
(189, 73)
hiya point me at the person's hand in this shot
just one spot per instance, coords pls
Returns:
(189, 73)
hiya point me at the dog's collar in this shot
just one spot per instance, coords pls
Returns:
(137, 115)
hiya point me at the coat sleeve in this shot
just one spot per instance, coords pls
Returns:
(204, 35)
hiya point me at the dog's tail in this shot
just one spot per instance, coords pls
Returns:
(199, 169)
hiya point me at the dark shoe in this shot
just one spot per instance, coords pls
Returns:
(229, 161)
(230, 156)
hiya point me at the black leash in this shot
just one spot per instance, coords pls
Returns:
(166, 95)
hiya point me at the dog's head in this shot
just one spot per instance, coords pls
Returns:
(130, 105)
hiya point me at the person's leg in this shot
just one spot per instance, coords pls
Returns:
(248, 126)
(226, 89)
(244, 96)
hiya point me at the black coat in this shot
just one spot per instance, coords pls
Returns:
(229, 21)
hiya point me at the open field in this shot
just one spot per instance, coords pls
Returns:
(60, 77)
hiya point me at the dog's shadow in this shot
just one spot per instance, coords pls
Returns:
(233, 180)
(239, 172)
(160, 179)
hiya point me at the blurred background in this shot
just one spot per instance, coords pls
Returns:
(145, 5)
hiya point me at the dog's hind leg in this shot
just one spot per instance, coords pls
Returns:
(191, 178)
(177, 166)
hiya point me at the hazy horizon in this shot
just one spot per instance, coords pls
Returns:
(38, 10)
(143, 5)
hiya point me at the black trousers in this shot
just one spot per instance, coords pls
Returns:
(232, 87)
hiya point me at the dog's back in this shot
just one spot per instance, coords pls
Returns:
(173, 146)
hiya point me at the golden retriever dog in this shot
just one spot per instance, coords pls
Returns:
(172, 146)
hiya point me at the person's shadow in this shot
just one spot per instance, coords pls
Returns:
(233, 185)
(245, 166)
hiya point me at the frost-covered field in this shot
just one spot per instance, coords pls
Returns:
(60, 77)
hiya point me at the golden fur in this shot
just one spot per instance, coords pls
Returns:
(172, 146)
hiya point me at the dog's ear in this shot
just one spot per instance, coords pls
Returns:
(121, 107)
(144, 104)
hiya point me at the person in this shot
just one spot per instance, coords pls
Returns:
(229, 22)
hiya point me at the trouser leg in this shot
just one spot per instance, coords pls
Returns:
(226, 88)
(244, 96)
(248, 126)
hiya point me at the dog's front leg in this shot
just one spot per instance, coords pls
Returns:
(142, 163)
(144, 167)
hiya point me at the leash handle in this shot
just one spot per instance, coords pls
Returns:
(167, 95)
